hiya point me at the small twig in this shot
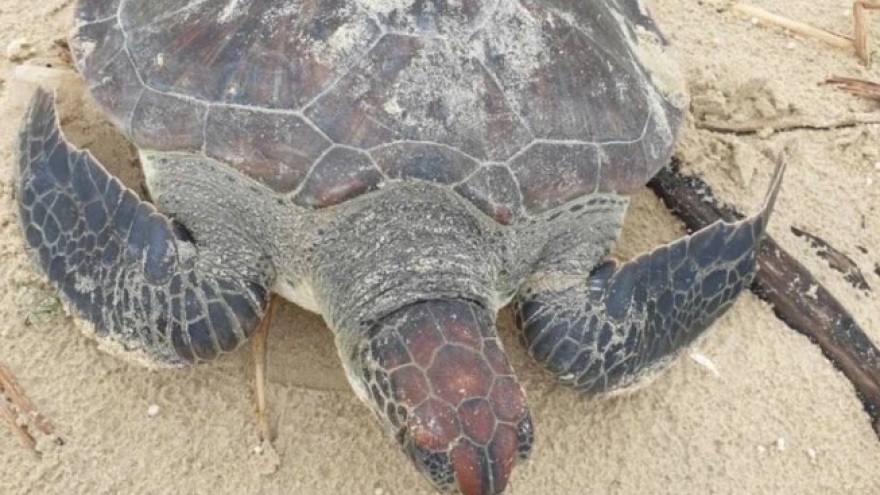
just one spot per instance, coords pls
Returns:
(860, 28)
(788, 123)
(795, 26)
(857, 87)
(837, 260)
(858, 43)
(797, 297)
(17, 398)
(11, 417)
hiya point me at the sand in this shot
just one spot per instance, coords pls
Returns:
(773, 417)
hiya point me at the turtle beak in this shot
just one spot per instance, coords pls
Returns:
(438, 379)
(472, 469)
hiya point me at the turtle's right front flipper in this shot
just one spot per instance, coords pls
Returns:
(137, 277)
(606, 330)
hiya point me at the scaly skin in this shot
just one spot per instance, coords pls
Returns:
(404, 188)
(440, 382)
(608, 329)
(135, 277)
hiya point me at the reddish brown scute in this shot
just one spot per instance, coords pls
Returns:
(450, 387)
(519, 105)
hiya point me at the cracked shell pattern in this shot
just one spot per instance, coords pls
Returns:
(560, 93)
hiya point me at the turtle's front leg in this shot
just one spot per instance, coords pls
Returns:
(605, 330)
(148, 289)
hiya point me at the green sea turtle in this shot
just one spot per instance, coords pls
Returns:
(405, 168)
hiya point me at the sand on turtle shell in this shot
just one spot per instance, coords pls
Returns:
(757, 409)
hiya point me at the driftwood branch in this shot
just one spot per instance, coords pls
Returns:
(797, 297)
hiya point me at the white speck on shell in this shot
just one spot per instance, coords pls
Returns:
(349, 38)
(384, 7)
(392, 107)
(780, 444)
(228, 11)
(153, 410)
(345, 38)
(85, 284)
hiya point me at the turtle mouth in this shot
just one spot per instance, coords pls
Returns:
(434, 465)
(467, 468)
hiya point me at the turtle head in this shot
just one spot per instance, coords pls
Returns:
(437, 377)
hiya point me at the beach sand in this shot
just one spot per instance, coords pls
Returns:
(773, 417)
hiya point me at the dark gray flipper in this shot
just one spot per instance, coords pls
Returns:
(605, 331)
(131, 272)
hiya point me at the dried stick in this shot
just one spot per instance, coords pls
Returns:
(860, 28)
(788, 123)
(857, 87)
(11, 417)
(837, 260)
(795, 26)
(797, 297)
(858, 43)
(17, 398)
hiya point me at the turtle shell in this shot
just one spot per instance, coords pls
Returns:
(518, 105)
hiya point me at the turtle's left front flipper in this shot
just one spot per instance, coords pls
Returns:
(149, 290)
(604, 331)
